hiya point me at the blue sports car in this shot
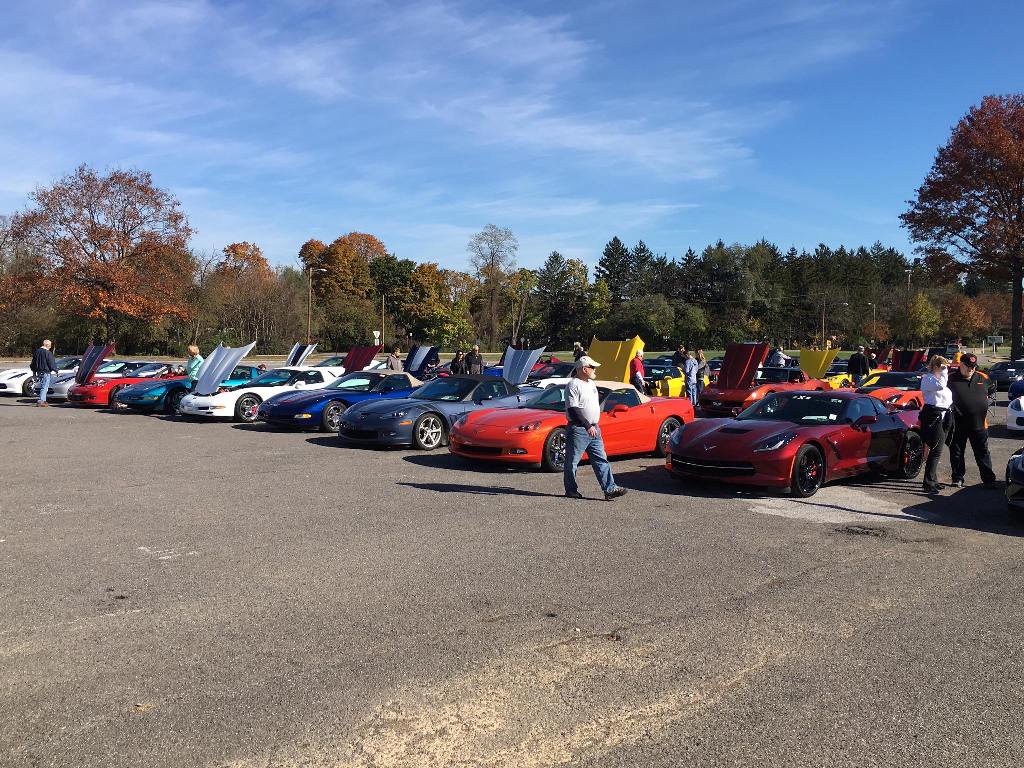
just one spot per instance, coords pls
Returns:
(323, 407)
(424, 418)
(164, 395)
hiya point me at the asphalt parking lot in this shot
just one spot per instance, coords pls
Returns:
(177, 593)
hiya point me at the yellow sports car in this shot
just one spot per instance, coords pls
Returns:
(837, 375)
(665, 380)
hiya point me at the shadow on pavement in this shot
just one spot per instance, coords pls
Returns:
(477, 489)
(450, 461)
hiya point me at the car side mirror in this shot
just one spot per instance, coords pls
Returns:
(865, 421)
(297, 385)
(620, 408)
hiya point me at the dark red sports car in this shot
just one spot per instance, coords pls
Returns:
(104, 391)
(799, 441)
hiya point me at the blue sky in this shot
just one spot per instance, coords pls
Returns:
(420, 122)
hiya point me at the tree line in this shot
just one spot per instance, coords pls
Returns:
(101, 256)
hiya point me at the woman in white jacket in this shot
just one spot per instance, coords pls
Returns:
(935, 418)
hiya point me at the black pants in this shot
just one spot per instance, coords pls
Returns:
(933, 433)
(962, 432)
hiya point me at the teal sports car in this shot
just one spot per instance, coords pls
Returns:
(163, 396)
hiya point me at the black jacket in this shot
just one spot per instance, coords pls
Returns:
(458, 367)
(858, 365)
(42, 361)
(970, 399)
(474, 362)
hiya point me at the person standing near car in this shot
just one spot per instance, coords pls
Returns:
(475, 361)
(582, 433)
(935, 418)
(690, 368)
(394, 362)
(970, 408)
(679, 356)
(44, 367)
(192, 365)
(636, 372)
(458, 364)
(577, 351)
(703, 371)
(858, 366)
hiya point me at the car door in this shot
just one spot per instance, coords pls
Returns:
(619, 430)
(890, 433)
(484, 395)
(879, 437)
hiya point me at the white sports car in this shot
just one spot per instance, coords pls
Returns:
(1015, 415)
(242, 403)
(20, 381)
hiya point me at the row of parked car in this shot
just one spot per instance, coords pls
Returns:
(762, 426)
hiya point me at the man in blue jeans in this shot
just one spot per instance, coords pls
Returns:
(44, 366)
(582, 433)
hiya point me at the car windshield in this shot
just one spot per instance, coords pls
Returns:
(551, 370)
(66, 363)
(358, 382)
(774, 375)
(796, 407)
(275, 378)
(553, 399)
(839, 367)
(150, 369)
(661, 372)
(1007, 365)
(447, 389)
(330, 362)
(114, 366)
(895, 380)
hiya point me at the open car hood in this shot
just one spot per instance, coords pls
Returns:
(882, 354)
(417, 358)
(518, 364)
(814, 362)
(91, 360)
(908, 359)
(740, 365)
(614, 357)
(221, 362)
(360, 357)
(298, 355)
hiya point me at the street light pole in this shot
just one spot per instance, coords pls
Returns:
(309, 304)
(874, 324)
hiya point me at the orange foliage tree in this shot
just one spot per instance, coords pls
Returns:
(963, 317)
(110, 246)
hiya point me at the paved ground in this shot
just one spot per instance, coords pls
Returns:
(178, 594)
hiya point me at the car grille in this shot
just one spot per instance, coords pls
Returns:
(712, 468)
(482, 450)
(359, 434)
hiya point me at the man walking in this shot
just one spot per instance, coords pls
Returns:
(970, 407)
(44, 367)
(475, 361)
(858, 366)
(582, 433)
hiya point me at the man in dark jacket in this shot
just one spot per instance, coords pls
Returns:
(970, 407)
(475, 361)
(679, 356)
(859, 366)
(44, 367)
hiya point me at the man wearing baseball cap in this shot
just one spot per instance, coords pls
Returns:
(970, 407)
(582, 433)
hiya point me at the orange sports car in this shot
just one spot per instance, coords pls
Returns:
(901, 389)
(534, 433)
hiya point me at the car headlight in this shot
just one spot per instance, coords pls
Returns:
(296, 416)
(529, 427)
(893, 399)
(1015, 405)
(775, 442)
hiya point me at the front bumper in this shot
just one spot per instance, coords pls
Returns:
(376, 433)
(765, 472)
(491, 450)
(289, 418)
(205, 410)
(88, 398)
(1014, 420)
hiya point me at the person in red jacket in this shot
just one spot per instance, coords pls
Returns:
(636, 371)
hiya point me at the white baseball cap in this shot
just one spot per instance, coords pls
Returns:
(587, 362)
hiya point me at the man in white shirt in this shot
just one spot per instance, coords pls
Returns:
(582, 433)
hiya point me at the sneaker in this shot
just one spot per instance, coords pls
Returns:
(615, 494)
(574, 495)
(958, 483)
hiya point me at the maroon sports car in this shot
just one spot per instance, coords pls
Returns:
(799, 441)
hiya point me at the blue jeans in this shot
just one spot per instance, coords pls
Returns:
(691, 392)
(44, 385)
(578, 442)
(857, 379)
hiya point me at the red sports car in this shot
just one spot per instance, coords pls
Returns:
(103, 391)
(800, 441)
(742, 381)
(534, 433)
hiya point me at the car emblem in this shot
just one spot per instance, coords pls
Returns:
(708, 447)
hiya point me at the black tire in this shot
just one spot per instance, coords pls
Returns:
(808, 472)
(173, 400)
(429, 431)
(911, 456)
(31, 387)
(330, 418)
(112, 401)
(668, 426)
(247, 407)
(553, 459)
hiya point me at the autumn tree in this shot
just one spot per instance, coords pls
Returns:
(492, 253)
(112, 246)
(969, 212)
(964, 317)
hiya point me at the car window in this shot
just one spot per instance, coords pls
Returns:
(627, 397)
(392, 383)
(859, 407)
(490, 390)
(241, 373)
(879, 406)
(313, 377)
